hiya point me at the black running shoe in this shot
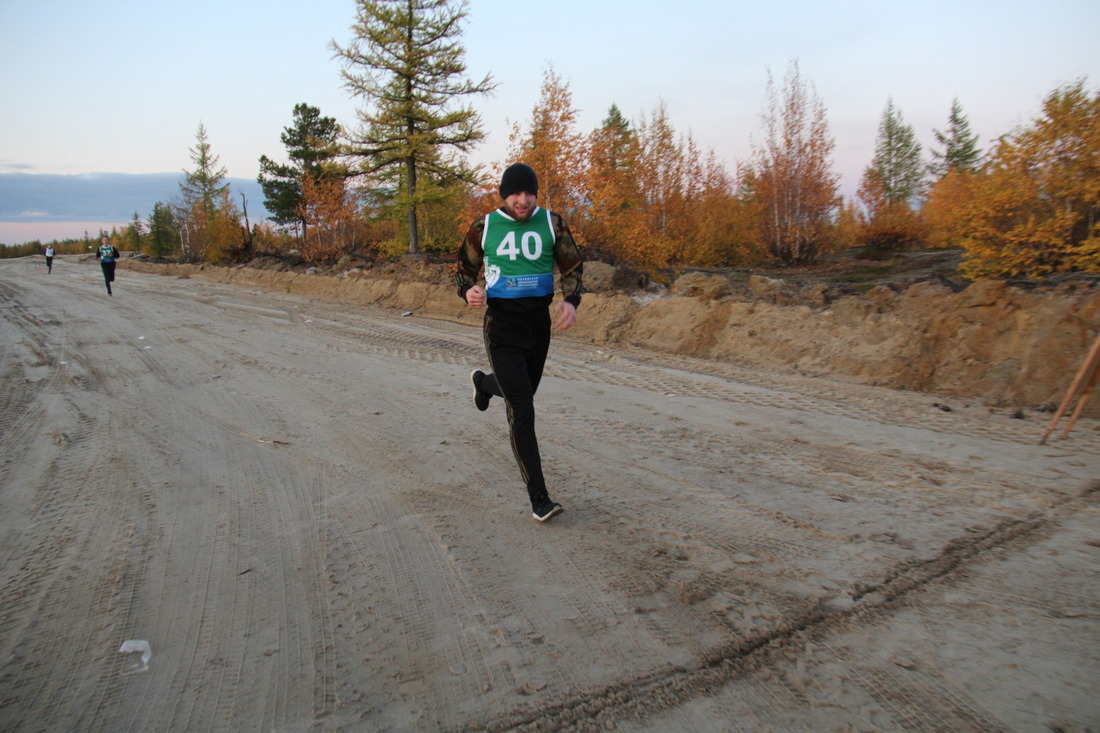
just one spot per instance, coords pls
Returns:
(547, 510)
(481, 399)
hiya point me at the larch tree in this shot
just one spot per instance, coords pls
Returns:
(312, 145)
(952, 168)
(685, 209)
(721, 225)
(892, 185)
(959, 146)
(405, 62)
(226, 237)
(209, 218)
(135, 232)
(796, 188)
(202, 186)
(897, 162)
(552, 146)
(611, 221)
(660, 174)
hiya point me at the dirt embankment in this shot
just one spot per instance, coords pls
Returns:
(1010, 347)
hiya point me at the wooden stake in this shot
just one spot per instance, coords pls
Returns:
(1081, 388)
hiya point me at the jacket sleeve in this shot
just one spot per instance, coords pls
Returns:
(567, 255)
(470, 257)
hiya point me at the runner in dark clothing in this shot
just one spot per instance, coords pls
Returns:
(49, 260)
(107, 254)
(519, 244)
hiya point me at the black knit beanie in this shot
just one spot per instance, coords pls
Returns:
(518, 177)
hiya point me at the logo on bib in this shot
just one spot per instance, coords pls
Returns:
(492, 274)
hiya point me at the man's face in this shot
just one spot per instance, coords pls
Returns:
(520, 205)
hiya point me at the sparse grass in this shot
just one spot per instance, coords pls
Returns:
(867, 274)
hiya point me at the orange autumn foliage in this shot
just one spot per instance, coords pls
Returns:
(945, 212)
(552, 146)
(330, 218)
(1035, 208)
(889, 225)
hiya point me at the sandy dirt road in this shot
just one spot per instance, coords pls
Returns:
(295, 505)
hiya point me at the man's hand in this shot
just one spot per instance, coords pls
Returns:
(567, 315)
(475, 296)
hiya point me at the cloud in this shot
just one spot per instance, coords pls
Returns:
(99, 197)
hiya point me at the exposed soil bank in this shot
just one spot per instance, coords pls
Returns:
(1007, 346)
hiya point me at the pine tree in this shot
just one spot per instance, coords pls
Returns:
(311, 145)
(406, 63)
(163, 231)
(960, 146)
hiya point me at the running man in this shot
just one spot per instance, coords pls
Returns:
(107, 254)
(49, 259)
(519, 245)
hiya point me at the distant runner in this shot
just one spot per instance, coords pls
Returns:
(519, 244)
(107, 254)
(49, 260)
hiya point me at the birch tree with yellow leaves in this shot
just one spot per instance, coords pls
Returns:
(795, 184)
(1035, 209)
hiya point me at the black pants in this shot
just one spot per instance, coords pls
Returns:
(517, 354)
(49, 264)
(108, 273)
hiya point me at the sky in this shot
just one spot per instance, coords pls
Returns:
(94, 89)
